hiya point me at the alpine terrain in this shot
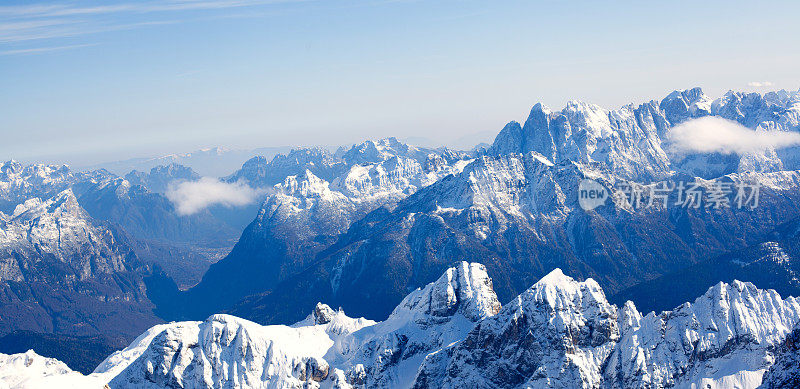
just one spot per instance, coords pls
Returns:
(454, 333)
(678, 271)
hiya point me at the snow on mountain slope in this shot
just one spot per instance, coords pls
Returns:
(559, 333)
(394, 178)
(59, 227)
(142, 212)
(306, 201)
(632, 142)
(382, 162)
(328, 194)
(32, 371)
(519, 215)
(627, 139)
(221, 352)
(225, 351)
(263, 172)
(320, 198)
(513, 205)
(389, 353)
(562, 333)
(370, 152)
(309, 206)
(19, 183)
(724, 338)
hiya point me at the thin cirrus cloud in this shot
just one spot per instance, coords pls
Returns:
(73, 30)
(190, 197)
(716, 135)
(54, 10)
(39, 50)
(24, 23)
(759, 84)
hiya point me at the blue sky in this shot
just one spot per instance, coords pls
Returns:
(86, 82)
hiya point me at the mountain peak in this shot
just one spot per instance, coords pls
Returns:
(323, 314)
(539, 107)
(63, 203)
(375, 151)
(555, 278)
(580, 105)
(333, 322)
(681, 105)
(389, 353)
(509, 140)
(563, 293)
(692, 94)
(465, 288)
(558, 282)
(10, 167)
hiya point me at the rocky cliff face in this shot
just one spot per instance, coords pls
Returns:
(724, 338)
(785, 372)
(261, 172)
(64, 272)
(389, 353)
(156, 231)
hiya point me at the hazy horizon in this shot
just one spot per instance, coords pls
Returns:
(86, 84)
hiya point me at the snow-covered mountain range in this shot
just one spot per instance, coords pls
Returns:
(19, 183)
(515, 209)
(454, 333)
(81, 254)
(518, 215)
(633, 142)
(137, 205)
(362, 227)
(314, 196)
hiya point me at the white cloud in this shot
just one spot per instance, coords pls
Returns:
(759, 84)
(190, 197)
(716, 135)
